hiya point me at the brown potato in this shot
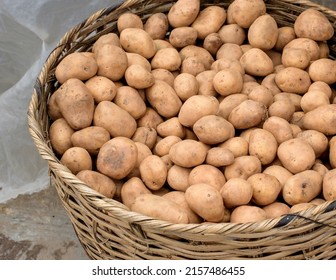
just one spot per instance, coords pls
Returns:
(324, 70)
(134, 58)
(269, 82)
(183, 12)
(164, 75)
(201, 54)
(293, 80)
(218, 156)
(332, 152)
(227, 82)
(153, 172)
(163, 146)
(317, 140)
(181, 37)
(138, 77)
(207, 174)
(167, 58)
(229, 51)
(248, 214)
(145, 135)
(157, 25)
(131, 189)
(128, 20)
(109, 38)
(150, 119)
(276, 209)
(229, 103)
(261, 94)
(192, 65)
(329, 185)
(76, 159)
(171, 127)
(283, 108)
(257, 63)
(178, 178)
(60, 133)
(285, 35)
(212, 43)
(237, 145)
(236, 192)
(293, 57)
(307, 44)
(143, 152)
(279, 127)
(53, 109)
(321, 86)
(205, 83)
(232, 33)
(279, 172)
(102, 88)
(243, 167)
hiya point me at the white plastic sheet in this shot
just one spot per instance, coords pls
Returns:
(29, 30)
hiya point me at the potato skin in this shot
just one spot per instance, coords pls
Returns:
(131, 189)
(236, 192)
(321, 119)
(76, 159)
(248, 214)
(157, 25)
(183, 12)
(60, 133)
(153, 172)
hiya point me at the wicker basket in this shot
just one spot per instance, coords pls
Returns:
(108, 230)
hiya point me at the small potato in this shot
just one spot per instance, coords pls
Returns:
(293, 57)
(205, 201)
(247, 114)
(243, 167)
(266, 188)
(181, 37)
(112, 62)
(99, 182)
(257, 63)
(279, 172)
(212, 129)
(317, 140)
(296, 155)
(153, 172)
(79, 65)
(90, 138)
(307, 44)
(117, 121)
(102, 88)
(324, 70)
(237, 145)
(248, 214)
(302, 187)
(279, 127)
(150, 119)
(188, 153)
(138, 77)
(129, 20)
(201, 54)
(329, 185)
(205, 83)
(185, 86)
(229, 103)
(195, 107)
(157, 26)
(134, 58)
(164, 99)
(76, 159)
(229, 51)
(137, 40)
(167, 58)
(183, 12)
(131, 189)
(293, 80)
(117, 157)
(207, 174)
(285, 35)
(236, 192)
(283, 108)
(178, 178)
(261, 94)
(218, 156)
(109, 39)
(209, 20)
(263, 145)
(76, 103)
(163, 146)
(212, 43)
(164, 75)
(276, 209)
(227, 82)
(263, 32)
(171, 127)
(313, 24)
(145, 135)
(60, 133)
(232, 33)
(161, 208)
(192, 65)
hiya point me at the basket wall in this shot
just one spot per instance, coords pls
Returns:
(108, 230)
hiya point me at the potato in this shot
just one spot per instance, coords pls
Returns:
(313, 24)
(205, 201)
(117, 121)
(153, 172)
(232, 33)
(112, 62)
(218, 156)
(263, 145)
(247, 114)
(129, 20)
(229, 103)
(195, 107)
(185, 85)
(76, 103)
(279, 172)
(90, 138)
(283, 108)
(179, 198)
(263, 32)
(76, 159)
(137, 40)
(102, 88)
(243, 167)
(109, 39)
(178, 178)
(162, 44)
(207, 174)
(60, 133)
(164, 75)
(237, 145)
(285, 35)
(302, 187)
(293, 57)
(276, 209)
(324, 70)
(209, 20)
(188, 153)
(201, 54)
(164, 99)
(236, 192)
(134, 58)
(181, 37)
(257, 63)
(321, 119)
(212, 129)
(266, 188)
(171, 127)
(332, 152)
(317, 140)
(248, 214)
(98, 182)
(245, 12)
(313, 99)
(161, 208)
(150, 119)
(192, 65)
(157, 25)
(293, 80)
(205, 83)
(329, 185)
(117, 157)
(167, 58)
(79, 65)
(131, 189)
(183, 12)
(261, 94)
(279, 127)
(145, 135)
(138, 77)
(163, 146)
(212, 43)
(307, 44)
(230, 52)
(227, 82)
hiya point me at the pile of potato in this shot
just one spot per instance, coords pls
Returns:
(202, 115)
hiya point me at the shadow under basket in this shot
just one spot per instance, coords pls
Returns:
(108, 230)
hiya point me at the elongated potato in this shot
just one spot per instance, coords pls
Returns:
(157, 25)
(178, 177)
(183, 12)
(60, 133)
(153, 172)
(329, 185)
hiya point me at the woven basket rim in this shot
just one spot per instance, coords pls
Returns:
(120, 210)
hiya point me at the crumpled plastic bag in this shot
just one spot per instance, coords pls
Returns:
(29, 30)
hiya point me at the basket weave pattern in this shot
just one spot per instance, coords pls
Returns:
(108, 230)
